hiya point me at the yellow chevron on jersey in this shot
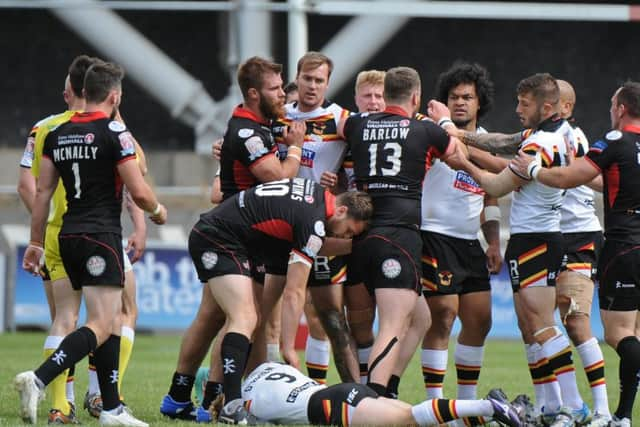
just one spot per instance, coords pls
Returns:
(40, 131)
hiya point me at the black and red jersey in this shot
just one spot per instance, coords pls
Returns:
(289, 215)
(247, 142)
(86, 151)
(390, 152)
(617, 156)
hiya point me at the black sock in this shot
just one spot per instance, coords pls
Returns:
(392, 387)
(73, 348)
(181, 386)
(211, 390)
(234, 356)
(107, 358)
(378, 388)
(629, 351)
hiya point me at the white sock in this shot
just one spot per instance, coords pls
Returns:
(363, 361)
(273, 352)
(567, 374)
(434, 362)
(317, 355)
(70, 392)
(423, 414)
(52, 342)
(534, 357)
(592, 358)
(94, 386)
(468, 358)
(128, 333)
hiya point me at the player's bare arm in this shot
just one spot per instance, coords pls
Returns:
(140, 191)
(292, 306)
(579, 172)
(137, 240)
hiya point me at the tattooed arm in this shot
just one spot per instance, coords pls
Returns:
(497, 143)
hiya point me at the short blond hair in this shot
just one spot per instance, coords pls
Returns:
(370, 77)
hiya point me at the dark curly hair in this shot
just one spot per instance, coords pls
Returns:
(464, 72)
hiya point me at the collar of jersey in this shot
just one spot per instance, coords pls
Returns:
(329, 203)
(81, 117)
(240, 111)
(551, 124)
(394, 109)
(631, 128)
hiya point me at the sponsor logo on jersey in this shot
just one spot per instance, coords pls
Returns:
(96, 265)
(127, 144)
(89, 138)
(599, 146)
(391, 268)
(255, 147)
(404, 123)
(116, 126)
(293, 395)
(245, 132)
(307, 157)
(613, 135)
(318, 227)
(465, 182)
(209, 259)
(313, 246)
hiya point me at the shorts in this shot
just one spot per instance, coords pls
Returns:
(619, 276)
(452, 266)
(581, 252)
(93, 259)
(52, 257)
(388, 257)
(534, 259)
(342, 399)
(214, 255)
(328, 271)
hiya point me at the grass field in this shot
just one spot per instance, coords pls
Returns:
(154, 357)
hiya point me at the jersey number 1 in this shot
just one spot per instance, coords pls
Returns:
(75, 167)
(393, 153)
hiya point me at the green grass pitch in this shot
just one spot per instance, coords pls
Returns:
(154, 358)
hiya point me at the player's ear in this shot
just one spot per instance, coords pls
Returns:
(253, 93)
(342, 211)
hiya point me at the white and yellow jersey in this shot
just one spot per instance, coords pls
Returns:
(535, 207)
(578, 212)
(451, 201)
(279, 394)
(323, 149)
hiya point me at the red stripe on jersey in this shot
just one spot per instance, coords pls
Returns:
(277, 228)
(242, 177)
(329, 203)
(393, 109)
(613, 183)
(80, 117)
(631, 128)
(240, 111)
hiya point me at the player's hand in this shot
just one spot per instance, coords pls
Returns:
(161, 217)
(216, 149)
(520, 163)
(136, 243)
(290, 357)
(294, 133)
(570, 154)
(494, 259)
(31, 259)
(328, 179)
(459, 158)
(437, 110)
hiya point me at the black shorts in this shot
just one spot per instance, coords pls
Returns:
(452, 266)
(581, 252)
(214, 255)
(328, 271)
(92, 259)
(534, 259)
(388, 257)
(619, 276)
(341, 397)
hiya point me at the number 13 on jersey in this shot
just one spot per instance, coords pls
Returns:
(389, 154)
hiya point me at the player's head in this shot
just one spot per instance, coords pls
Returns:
(370, 91)
(353, 211)
(314, 70)
(74, 82)
(625, 105)
(468, 92)
(103, 85)
(567, 99)
(290, 92)
(260, 81)
(402, 87)
(538, 97)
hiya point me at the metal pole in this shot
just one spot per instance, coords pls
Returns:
(298, 35)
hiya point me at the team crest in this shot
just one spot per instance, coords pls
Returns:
(318, 128)
(445, 278)
(209, 259)
(126, 143)
(613, 135)
(245, 132)
(313, 246)
(116, 126)
(255, 147)
(404, 123)
(391, 268)
(318, 227)
(96, 265)
(309, 199)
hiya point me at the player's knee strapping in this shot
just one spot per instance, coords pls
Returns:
(574, 294)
